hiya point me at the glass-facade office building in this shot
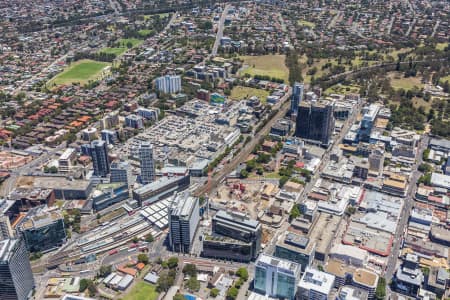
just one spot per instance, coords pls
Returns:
(237, 226)
(276, 277)
(227, 248)
(42, 230)
(16, 278)
(296, 248)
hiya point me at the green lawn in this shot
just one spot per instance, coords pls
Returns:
(395, 53)
(441, 46)
(342, 89)
(142, 291)
(306, 23)
(242, 92)
(80, 72)
(444, 79)
(116, 51)
(134, 42)
(400, 82)
(123, 44)
(161, 16)
(145, 32)
(272, 175)
(266, 65)
(318, 65)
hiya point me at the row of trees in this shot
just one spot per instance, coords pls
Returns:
(167, 277)
(293, 64)
(98, 56)
(233, 291)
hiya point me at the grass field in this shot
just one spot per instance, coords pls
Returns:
(318, 64)
(342, 89)
(441, 46)
(395, 53)
(444, 79)
(123, 44)
(417, 102)
(116, 51)
(163, 15)
(242, 92)
(399, 82)
(142, 291)
(266, 65)
(306, 23)
(134, 42)
(145, 32)
(79, 72)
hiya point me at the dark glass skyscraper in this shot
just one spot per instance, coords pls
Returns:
(315, 122)
(297, 96)
(16, 278)
(147, 163)
(98, 151)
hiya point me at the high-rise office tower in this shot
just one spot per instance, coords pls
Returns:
(276, 277)
(168, 84)
(147, 163)
(297, 97)
(184, 217)
(121, 172)
(98, 151)
(16, 277)
(369, 115)
(315, 121)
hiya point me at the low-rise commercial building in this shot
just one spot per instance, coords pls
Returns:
(110, 194)
(162, 188)
(409, 277)
(315, 285)
(361, 278)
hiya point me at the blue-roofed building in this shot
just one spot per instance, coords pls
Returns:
(107, 195)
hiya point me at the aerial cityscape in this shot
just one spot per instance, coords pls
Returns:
(224, 150)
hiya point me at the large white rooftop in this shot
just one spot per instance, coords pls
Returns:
(316, 280)
(282, 265)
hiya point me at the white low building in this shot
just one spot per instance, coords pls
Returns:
(315, 285)
(351, 255)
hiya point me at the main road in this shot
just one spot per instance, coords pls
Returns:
(9, 184)
(220, 28)
(407, 207)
